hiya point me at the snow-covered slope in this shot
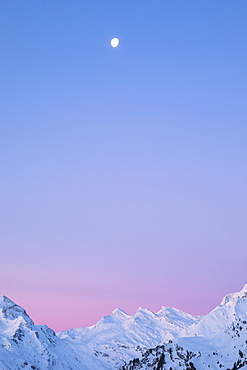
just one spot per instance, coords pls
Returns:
(168, 339)
(24, 345)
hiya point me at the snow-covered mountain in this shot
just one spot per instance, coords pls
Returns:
(169, 339)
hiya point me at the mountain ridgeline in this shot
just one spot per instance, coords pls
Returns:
(168, 340)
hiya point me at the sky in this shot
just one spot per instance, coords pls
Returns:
(123, 171)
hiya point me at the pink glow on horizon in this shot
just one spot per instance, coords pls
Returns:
(61, 313)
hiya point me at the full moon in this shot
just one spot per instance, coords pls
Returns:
(114, 42)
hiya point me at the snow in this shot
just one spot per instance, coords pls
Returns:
(218, 340)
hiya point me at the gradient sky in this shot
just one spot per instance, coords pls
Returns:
(123, 171)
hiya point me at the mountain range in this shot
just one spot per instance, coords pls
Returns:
(168, 339)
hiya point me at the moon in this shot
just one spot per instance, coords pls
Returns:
(115, 42)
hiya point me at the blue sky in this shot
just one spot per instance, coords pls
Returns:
(123, 171)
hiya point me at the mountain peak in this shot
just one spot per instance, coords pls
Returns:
(5, 300)
(12, 311)
(233, 297)
(144, 311)
(244, 290)
(119, 312)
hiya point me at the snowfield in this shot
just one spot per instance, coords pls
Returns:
(169, 339)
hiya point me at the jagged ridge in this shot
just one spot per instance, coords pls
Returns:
(168, 339)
